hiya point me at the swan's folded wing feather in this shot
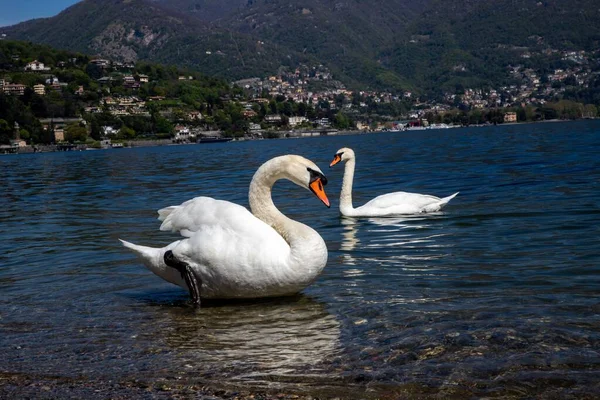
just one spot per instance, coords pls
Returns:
(238, 260)
(190, 216)
(253, 244)
(403, 199)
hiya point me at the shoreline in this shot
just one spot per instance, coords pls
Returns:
(57, 148)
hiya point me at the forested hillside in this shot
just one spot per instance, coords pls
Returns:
(427, 47)
(70, 88)
(140, 30)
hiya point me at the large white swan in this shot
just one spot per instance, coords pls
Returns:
(386, 205)
(228, 252)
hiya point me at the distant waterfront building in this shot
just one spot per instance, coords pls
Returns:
(510, 117)
(362, 126)
(14, 89)
(109, 131)
(39, 89)
(273, 119)
(109, 101)
(17, 141)
(100, 62)
(183, 134)
(92, 110)
(58, 86)
(129, 82)
(324, 122)
(57, 126)
(293, 121)
(254, 127)
(195, 115)
(36, 66)
(59, 134)
(249, 113)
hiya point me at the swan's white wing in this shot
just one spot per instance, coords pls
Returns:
(190, 216)
(399, 203)
(226, 254)
(235, 253)
(399, 198)
(243, 259)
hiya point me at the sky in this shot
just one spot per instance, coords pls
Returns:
(15, 11)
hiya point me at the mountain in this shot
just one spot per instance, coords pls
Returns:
(422, 45)
(131, 30)
(205, 10)
(345, 35)
(473, 42)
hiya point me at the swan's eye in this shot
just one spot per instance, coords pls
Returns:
(314, 175)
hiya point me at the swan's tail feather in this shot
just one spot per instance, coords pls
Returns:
(151, 256)
(438, 205)
(153, 259)
(445, 200)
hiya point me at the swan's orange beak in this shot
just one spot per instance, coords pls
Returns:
(336, 159)
(316, 186)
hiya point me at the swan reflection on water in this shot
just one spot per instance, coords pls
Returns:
(258, 338)
(390, 260)
(393, 239)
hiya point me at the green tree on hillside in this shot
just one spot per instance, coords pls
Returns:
(75, 133)
(341, 121)
(6, 132)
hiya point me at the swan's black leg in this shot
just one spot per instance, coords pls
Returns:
(193, 281)
(194, 284)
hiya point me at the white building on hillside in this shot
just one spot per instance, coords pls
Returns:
(293, 121)
(36, 66)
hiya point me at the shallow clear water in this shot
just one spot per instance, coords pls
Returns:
(498, 295)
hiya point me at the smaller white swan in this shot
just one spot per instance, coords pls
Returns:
(386, 205)
(228, 252)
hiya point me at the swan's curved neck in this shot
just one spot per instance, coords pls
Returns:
(346, 193)
(298, 235)
(307, 252)
(259, 196)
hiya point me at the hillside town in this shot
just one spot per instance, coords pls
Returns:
(305, 101)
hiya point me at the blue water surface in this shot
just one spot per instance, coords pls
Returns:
(498, 295)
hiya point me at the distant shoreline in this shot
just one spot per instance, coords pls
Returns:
(57, 148)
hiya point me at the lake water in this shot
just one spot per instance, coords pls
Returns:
(498, 295)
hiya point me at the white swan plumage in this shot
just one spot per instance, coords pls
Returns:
(386, 205)
(239, 254)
